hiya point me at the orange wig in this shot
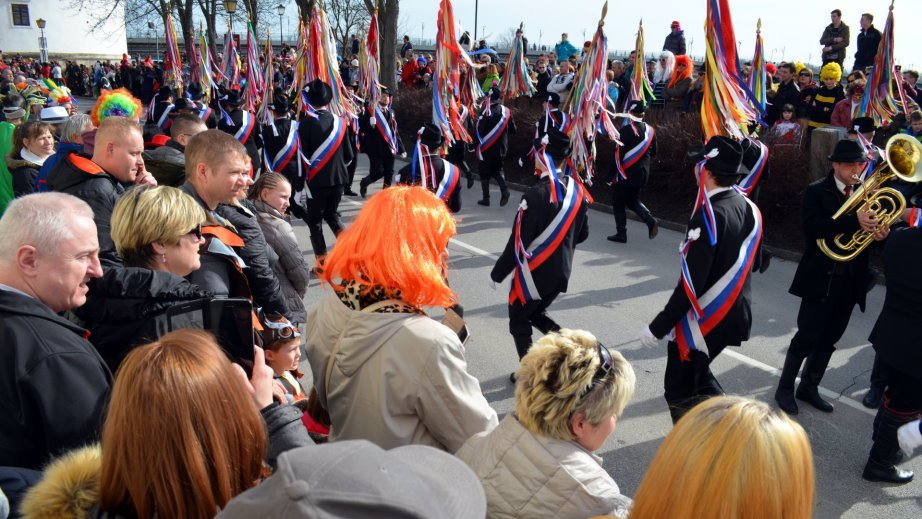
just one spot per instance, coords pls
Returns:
(399, 242)
(680, 73)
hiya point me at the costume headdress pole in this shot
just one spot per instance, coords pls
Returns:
(230, 70)
(451, 88)
(641, 90)
(172, 63)
(299, 68)
(370, 64)
(586, 103)
(516, 81)
(254, 86)
(727, 107)
(321, 63)
(879, 101)
(757, 78)
(205, 68)
(262, 115)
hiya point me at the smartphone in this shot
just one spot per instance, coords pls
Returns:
(230, 320)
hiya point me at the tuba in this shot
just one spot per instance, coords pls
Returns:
(903, 160)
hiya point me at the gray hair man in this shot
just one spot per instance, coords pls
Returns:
(53, 384)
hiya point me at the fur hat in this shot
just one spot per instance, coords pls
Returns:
(831, 70)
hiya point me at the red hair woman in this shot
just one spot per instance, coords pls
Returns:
(680, 83)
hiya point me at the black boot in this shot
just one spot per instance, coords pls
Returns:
(652, 227)
(784, 395)
(319, 245)
(885, 453)
(814, 369)
(619, 237)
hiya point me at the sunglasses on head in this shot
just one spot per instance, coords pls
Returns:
(604, 368)
(278, 330)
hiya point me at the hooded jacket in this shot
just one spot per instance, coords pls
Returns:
(675, 42)
(122, 306)
(53, 385)
(396, 379)
(527, 475)
(86, 180)
(24, 174)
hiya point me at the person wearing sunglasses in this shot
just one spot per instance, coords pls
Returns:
(157, 233)
(570, 392)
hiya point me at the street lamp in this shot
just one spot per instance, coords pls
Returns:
(42, 44)
(476, 10)
(281, 10)
(231, 7)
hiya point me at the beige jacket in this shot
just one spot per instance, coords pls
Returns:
(526, 475)
(396, 379)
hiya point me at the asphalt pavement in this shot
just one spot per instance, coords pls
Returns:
(614, 291)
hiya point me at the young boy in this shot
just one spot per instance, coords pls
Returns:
(282, 342)
(915, 125)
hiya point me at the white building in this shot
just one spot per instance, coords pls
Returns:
(67, 30)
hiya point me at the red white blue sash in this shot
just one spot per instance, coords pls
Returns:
(247, 123)
(710, 308)
(288, 151)
(449, 182)
(544, 246)
(205, 114)
(633, 155)
(703, 203)
(327, 148)
(544, 165)
(164, 121)
(386, 130)
(915, 217)
(751, 180)
(487, 141)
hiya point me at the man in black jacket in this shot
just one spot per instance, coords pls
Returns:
(444, 178)
(53, 384)
(788, 93)
(708, 309)
(280, 148)
(632, 169)
(537, 229)
(868, 42)
(167, 163)
(828, 289)
(378, 138)
(241, 124)
(324, 143)
(492, 128)
(895, 339)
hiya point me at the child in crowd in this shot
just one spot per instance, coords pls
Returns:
(282, 342)
(915, 125)
(786, 130)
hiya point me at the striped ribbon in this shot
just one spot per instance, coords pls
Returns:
(388, 132)
(247, 122)
(327, 149)
(751, 180)
(484, 143)
(288, 151)
(633, 155)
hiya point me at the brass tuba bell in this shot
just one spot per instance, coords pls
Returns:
(903, 160)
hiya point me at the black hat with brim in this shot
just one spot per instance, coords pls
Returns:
(318, 93)
(558, 143)
(495, 95)
(182, 104)
(431, 136)
(232, 98)
(280, 104)
(636, 107)
(724, 156)
(864, 124)
(164, 92)
(195, 91)
(553, 98)
(848, 151)
(751, 154)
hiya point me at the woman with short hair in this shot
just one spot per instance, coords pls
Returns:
(730, 456)
(570, 390)
(33, 143)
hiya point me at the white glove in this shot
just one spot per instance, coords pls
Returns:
(647, 338)
(909, 437)
(403, 155)
(372, 122)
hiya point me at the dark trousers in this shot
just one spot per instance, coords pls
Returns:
(627, 197)
(902, 404)
(491, 167)
(687, 383)
(322, 207)
(878, 373)
(820, 324)
(351, 170)
(379, 167)
(532, 314)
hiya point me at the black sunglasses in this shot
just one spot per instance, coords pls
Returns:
(604, 368)
(196, 231)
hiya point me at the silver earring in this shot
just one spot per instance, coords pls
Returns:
(163, 258)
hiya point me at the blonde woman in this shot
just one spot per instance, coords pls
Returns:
(539, 462)
(730, 457)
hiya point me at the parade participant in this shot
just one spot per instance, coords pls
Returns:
(280, 148)
(542, 457)
(754, 171)
(431, 171)
(324, 145)
(631, 172)
(167, 163)
(710, 307)
(492, 127)
(378, 138)
(893, 338)
(204, 112)
(828, 289)
(55, 384)
(158, 112)
(100, 181)
(551, 220)
(241, 124)
(383, 369)
(456, 149)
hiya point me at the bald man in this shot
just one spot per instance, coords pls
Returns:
(116, 165)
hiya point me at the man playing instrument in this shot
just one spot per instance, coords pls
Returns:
(710, 307)
(828, 289)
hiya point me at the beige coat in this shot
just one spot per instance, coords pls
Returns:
(396, 379)
(526, 475)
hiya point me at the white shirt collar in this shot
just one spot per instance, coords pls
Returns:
(31, 157)
(839, 184)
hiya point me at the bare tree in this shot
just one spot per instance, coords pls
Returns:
(388, 14)
(347, 17)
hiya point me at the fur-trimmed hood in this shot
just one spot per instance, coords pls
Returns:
(69, 488)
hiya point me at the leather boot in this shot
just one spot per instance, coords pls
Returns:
(886, 453)
(652, 227)
(810, 379)
(319, 245)
(784, 395)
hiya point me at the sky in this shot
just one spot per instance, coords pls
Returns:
(791, 29)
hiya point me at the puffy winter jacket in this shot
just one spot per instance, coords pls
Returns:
(291, 269)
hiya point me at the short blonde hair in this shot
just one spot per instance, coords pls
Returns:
(210, 147)
(148, 214)
(738, 458)
(114, 129)
(556, 381)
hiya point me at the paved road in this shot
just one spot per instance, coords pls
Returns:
(618, 288)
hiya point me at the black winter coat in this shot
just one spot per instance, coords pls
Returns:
(487, 123)
(639, 173)
(312, 133)
(453, 202)
(24, 175)
(272, 144)
(252, 143)
(735, 220)
(554, 274)
(817, 276)
(122, 306)
(87, 181)
(675, 43)
(788, 93)
(370, 140)
(868, 41)
(895, 334)
(264, 285)
(53, 385)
